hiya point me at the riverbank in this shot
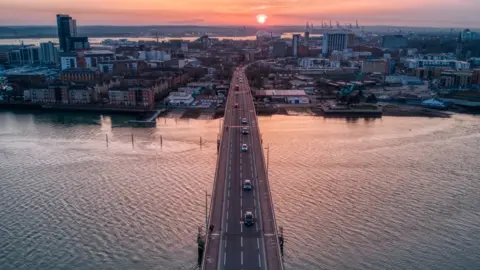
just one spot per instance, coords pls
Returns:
(210, 113)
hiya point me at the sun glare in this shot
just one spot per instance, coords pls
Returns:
(261, 18)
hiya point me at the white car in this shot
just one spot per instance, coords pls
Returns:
(244, 121)
(245, 131)
(244, 148)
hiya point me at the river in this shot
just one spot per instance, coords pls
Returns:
(390, 193)
(98, 40)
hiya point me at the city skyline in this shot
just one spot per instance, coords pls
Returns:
(234, 12)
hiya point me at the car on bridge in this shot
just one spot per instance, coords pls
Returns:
(247, 185)
(244, 147)
(248, 219)
(235, 105)
(244, 121)
(245, 131)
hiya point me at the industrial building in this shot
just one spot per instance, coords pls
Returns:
(283, 96)
(337, 42)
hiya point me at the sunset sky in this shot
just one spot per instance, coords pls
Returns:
(441, 13)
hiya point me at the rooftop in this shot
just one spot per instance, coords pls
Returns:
(278, 92)
(99, 52)
(30, 71)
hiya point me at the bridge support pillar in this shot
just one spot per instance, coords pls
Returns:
(201, 246)
(280, 239)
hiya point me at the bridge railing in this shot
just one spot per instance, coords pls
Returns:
(268, 182)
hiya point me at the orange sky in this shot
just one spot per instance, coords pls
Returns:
(243, 12)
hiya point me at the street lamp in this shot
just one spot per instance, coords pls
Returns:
(206, 210)
(268, 156)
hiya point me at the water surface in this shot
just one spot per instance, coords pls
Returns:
(391, 193)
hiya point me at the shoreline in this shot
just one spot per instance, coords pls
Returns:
(196, 113)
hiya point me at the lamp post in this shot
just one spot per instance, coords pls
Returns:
(206, 210)
(268, 156)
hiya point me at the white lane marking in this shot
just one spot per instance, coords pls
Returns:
(241, 257)
(227, 215)
(228, 193)
(224, 257)
(241, 203)
(241, 241)
(259, 261)
(226, 228)
(228, 203)
(241, 227)
(258, 244)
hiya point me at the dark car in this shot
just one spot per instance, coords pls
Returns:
(249, 220)
(245, 130)
(247, 185)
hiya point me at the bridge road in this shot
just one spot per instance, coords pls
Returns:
(232, 245)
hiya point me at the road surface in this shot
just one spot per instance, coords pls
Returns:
(232, 245)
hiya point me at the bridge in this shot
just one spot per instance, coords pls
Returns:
(231, 245)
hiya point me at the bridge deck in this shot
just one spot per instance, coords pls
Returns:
(232, 245)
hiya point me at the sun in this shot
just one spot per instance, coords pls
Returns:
(261, 18)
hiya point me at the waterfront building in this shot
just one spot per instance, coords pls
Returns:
(456, 79)
(66, 28)
(40, 95)
(48, 53)
(79, 94)
(283, 96)
(132, 96)
(179, 99)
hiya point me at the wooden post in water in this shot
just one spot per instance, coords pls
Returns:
(106, 139)
(161, 142)
(133, 143)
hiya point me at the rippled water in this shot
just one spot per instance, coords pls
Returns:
(391, 193)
